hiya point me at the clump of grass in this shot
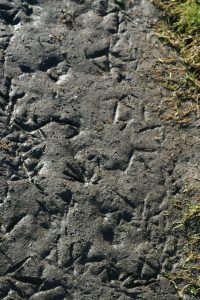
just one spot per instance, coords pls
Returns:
(180, 28)
(188, 14)
(186, 275)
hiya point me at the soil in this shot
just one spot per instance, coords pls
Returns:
(88, 166)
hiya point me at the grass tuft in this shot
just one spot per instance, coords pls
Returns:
(180, 29)
(186, 275)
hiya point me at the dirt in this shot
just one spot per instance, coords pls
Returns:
(88, 166)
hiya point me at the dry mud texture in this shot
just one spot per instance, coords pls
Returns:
(87, 166)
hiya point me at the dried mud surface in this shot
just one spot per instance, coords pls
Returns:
(88, 167)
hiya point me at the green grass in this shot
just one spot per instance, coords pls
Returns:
(180, 28)
(188, 15)
(186, 278)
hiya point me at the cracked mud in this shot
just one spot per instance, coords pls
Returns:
(87, 165)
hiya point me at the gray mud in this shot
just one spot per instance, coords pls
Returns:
(87, 166)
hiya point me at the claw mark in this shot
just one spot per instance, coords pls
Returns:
(16, 221)
(43, 207)
(43, 135)
(94, 179)
(29, 279)
(3, 252)
(18, 265)
(125, 198)
(12, 100)
(74, 172)
(16, 289)
(145, 149)
(150, 127)
(116, 113)
(131, 158)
